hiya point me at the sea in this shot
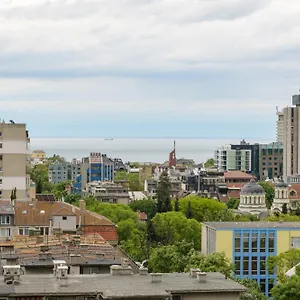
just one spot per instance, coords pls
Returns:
(135, 149)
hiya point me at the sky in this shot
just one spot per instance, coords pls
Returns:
(148, 68)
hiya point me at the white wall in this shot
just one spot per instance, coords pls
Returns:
(13, 147)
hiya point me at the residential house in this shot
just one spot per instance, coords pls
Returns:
(108, 192)
(49, 217)
(38, 157)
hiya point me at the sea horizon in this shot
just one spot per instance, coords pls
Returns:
(146, 149)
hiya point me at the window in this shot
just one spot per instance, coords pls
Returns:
(263, 285)
(271, 285)
(263, 242)
(4, 232)
(1, 145)
(271, 241)
(1, 157)
(0, 180)
(254, 242)
(262, 265)
(296, 242)
(237, 263)
(237, 242)
(64, 218)
(176, 297)
(246, 242)
(5, 220)
(23, 230)
(254, 265)
(245, 265)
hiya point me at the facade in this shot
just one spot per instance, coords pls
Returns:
(249, 245)
(48, 217)
(96, 167)
(14, 160)
(6, 220)
(119, 165)
(291, 140)
(270, 160)
(108, 192)
(38, 157)
(281, 197)
(252, 199)
(120, 284)
(228, 159)
(254, 150)
(279, 126)
(60, 171)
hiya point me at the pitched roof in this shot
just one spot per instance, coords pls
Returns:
(38, 213)
(63, 212)
(237, 174)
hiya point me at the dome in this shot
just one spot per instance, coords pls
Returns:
(281, 184)
(252, 187)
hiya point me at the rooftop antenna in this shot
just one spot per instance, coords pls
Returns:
(174, 145)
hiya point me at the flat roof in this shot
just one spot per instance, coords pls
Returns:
(256, 225)
(120, 286)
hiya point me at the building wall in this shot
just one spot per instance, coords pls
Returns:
(279, 127)
(14, 161)
(66, 223)
(222, 242)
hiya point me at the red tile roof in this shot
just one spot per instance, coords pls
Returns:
(237, 174)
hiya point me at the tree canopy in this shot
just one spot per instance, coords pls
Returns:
(209, 163)
(146, 205)
(163, 193)
(270, 192)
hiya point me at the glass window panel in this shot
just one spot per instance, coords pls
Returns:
(262, 265)
(254, 265)
(245, 265)
(246, 242)
(254, 242)
(271, 241)
(263, 242)
(263, 285)
(296, 242)
(237, 242)
(237, 262)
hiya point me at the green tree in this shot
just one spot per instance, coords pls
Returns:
(288, 290)
(163, 193)
(176, 204)
(13, 195)
(173, 227)
(209, 163)
(254, 292)
(171, 258)
(72, 199)
(133, 179)
(214, 262)
(39, 186)
(284, 262)
(39, 174)
(146, 205)
(205, 209)
(189, 211)
(270, 192)
(233, 203)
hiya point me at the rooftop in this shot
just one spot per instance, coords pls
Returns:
(237, 174)
(121, 286)
(230, 225)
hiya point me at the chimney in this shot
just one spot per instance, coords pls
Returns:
(75, 259)
(82, 205)
(143, 271)
(12, 274)
(201, 277)
(124, 262)
(100, 256)
(156, 277)
(193, 272)
(62, 275)
(120, 270)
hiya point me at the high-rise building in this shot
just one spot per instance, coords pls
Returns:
(279, 126)
(291, 141)
(228, 159)
(14, 161)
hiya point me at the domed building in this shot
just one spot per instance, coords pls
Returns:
(281, 196)
(252, 199)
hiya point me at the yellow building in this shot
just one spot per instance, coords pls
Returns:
(38, 155)
(249, 245)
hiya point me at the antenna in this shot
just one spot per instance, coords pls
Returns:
(174, 145)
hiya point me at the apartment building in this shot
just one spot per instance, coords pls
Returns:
(291, 141)
(228, 159)
(279, 126)
(270, 160)
(60, 171)
(249, 245)
(95, 167)
(14, 160)
(38, 157)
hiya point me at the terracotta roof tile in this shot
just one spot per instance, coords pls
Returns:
(237, 174)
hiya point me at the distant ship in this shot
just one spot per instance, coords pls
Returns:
(111, 139)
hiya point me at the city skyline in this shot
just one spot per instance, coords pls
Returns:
(148, 68)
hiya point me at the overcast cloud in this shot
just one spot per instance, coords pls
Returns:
(146, 68)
